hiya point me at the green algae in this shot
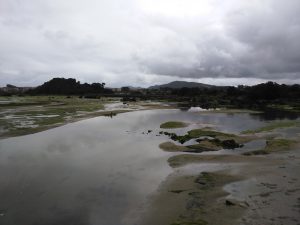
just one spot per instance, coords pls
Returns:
(171, 147)
(173, 125)
(196, 133)
(32, 114)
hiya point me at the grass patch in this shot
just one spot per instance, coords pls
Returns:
(183, 159)
(171, 147)
(273, 126)
(173, 125)
(205, 145)
(196, 133)
(31, 114)
(196, 148)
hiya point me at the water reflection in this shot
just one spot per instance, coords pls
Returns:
(277, 115)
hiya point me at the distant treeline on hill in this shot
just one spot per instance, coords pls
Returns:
(257, 96)
(63, 86)
(264, 91)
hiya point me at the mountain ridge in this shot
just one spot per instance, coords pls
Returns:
(182, 84)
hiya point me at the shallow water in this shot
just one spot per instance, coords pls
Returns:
(98, 171)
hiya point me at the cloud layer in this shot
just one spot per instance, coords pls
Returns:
(140, 42)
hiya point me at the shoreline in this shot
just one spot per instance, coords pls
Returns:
(87, 115)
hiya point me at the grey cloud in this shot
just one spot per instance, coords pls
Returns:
(125, 42)
(260, 41)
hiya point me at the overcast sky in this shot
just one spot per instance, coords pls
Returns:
(146, 42)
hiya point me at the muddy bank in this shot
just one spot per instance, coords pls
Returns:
(250, 190)
(194, 200)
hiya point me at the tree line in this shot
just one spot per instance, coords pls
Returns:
(242, 96)
(63, 86)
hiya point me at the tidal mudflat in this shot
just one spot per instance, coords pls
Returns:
(32, 114)
(111, 171)
(253, 182)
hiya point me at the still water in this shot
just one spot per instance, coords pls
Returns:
(98, 171)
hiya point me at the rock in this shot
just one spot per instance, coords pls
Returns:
(230, 202)
(230, 144)
(177, 191)
(244, 204)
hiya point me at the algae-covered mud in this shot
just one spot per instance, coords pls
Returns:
(126, 170)
(173, 124)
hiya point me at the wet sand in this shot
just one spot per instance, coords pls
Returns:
(250, 190)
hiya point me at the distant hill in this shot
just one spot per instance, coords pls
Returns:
(63, 86)
(182, 84)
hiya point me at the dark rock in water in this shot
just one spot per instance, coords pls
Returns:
(110, 114)
(226, 144)
(166, 133)
(230, 144)
(177, 191)
(230, 202)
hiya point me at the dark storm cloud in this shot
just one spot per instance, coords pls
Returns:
(146, 41)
